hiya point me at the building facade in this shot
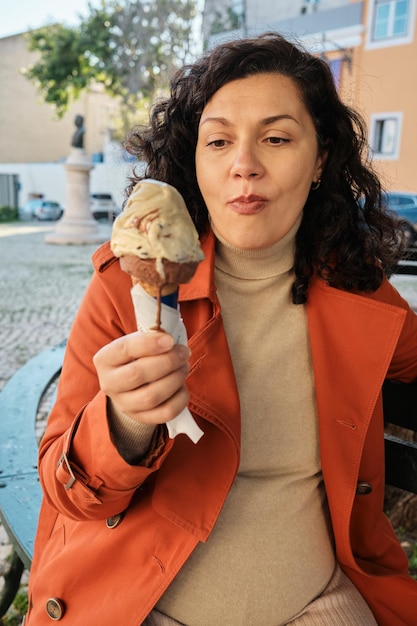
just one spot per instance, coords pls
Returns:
(29, 130)
(386, 88)
(371, 47)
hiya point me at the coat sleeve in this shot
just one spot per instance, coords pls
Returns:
(81, 471)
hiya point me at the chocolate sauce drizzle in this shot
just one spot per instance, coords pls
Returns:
(170, 299)
(158, 320)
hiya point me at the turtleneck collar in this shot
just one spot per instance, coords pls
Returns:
(254, 264)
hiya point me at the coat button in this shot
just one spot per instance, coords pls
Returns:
(363, 489)
(55, 609)
(112, 522)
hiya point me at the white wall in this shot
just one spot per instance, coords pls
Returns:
(50, 180)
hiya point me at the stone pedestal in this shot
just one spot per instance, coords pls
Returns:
(77, 226)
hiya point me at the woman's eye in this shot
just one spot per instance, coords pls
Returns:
(217, 143)
(276, 140)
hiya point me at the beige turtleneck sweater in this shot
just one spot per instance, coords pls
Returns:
(271, 550)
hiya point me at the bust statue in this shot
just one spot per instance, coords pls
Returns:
(78, 137)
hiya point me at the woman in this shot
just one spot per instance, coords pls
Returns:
(276, 515)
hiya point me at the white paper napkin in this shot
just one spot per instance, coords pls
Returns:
(145, 311)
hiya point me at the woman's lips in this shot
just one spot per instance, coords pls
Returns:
(248, 205)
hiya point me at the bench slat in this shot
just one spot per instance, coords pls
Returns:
(400, 404)
(19, 403)
(20, 500)
(401, 463)
(20, 491)
(405, 267)
(400, 409)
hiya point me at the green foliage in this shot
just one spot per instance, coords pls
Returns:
(21, 602)
(19, 608)
(412, 561)
(11, 620)
(8, 214)
(129, 46)
(218, 24)
(228, 20)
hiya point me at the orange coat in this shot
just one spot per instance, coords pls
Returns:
(114, 573)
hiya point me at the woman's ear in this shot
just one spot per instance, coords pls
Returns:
(320, 165)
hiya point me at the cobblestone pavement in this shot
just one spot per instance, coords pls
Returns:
(41, 287)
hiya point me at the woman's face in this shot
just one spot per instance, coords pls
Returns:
(256, 158)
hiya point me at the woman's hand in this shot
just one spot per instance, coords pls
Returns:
(144, 374)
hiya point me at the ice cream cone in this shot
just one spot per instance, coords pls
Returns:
(158, 246)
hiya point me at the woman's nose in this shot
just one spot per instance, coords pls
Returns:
(246, 164)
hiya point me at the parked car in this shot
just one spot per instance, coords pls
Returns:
(404, 204)
(102, 206)
(48, 210)
(41, 209)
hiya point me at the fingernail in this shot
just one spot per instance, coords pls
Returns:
(165, 340)
(185, 352)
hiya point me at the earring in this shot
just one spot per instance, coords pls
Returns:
(315, 184)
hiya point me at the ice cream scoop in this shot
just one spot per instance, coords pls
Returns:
(156, 239)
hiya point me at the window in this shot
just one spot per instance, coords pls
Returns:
(385, 135)
(390, 19)
(391, 22)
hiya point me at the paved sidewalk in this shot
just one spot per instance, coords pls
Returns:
(41, 287)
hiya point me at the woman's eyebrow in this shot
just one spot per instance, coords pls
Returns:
(265, 122)
(278, 118)
(219, 120)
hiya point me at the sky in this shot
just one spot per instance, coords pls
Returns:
(18, 16)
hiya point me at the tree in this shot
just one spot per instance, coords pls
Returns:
(227, 20)
(129, 46)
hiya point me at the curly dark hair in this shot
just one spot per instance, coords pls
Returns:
(346, 236)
